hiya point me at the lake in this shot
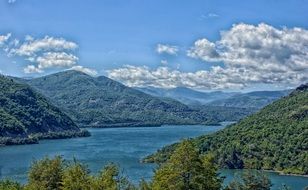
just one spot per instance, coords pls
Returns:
(124, 146)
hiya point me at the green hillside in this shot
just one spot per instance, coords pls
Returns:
(26, 116)
(275, 138)
(102, 102)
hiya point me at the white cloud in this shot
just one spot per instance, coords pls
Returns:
(269, 54)
(167, 49)
(30, 47)
(164, 77)
(208, 16)
(205, 50)
(4, 39)
(32, 69)
(56, 59)
(84, 70)
(250, 55)
(164, 62)
(11, 1)
(44, 53)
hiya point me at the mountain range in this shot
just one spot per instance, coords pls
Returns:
(274, 138)
(102, 102)
(186, 95)
(254, 100)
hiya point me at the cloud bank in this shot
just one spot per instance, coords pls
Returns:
(250, 54)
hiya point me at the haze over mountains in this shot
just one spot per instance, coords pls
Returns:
(187, 95)
(253, 100)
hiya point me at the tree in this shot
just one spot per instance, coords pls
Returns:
(186, 170)
(10, 185)
(251, 180)
(46, 174)
(76, 177)
(144, 185)
(110, 178)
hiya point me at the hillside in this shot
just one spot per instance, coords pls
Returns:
(255, 100)
(26, 116)
(102, 102)
(186, 95)
(275, 138)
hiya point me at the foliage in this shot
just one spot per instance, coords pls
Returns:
(251, 180)
(10, 185)
(255, 100)
(26, 116)
(46, 174)
(186, 170)
(102, 102)
(76, 177)
(275, 138)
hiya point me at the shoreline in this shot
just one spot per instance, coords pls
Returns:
(285, 174)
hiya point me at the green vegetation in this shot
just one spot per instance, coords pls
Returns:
(251, 180)
(186, 170)
(102, 102)
(252, 100)
(26, 116)
(275, 138)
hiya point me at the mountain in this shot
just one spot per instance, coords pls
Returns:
(275, 138)
(26, 116)
(102, 102)
(257, 99)
(186, 95)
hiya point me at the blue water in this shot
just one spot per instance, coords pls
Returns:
(124, 146)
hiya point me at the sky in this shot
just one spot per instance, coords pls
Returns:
(200, 44)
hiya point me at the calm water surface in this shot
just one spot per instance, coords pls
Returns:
(124, 146)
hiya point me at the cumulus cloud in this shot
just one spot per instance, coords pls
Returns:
(32, 69)
(167, 49)
(31, 47)
(250, 55)
(84, 70)
(56, 59)
(4, 39)
(163, 77)
(45, 53)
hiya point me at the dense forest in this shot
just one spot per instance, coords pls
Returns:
(274, 138)
(26, 116)
(102, 102)
(185, 170)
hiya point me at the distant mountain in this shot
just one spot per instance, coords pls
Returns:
(186, 95)
(257, 99)
(275, 138)
(26, 116)
(102, 102)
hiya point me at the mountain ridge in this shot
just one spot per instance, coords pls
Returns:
(274, 138)
(112, 103)
(27, 116)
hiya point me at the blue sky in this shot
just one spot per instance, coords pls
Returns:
(111, 34)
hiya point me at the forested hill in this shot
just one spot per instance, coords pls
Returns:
(26, 116)
(254, 100)
(275, 138)
(102, 102)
